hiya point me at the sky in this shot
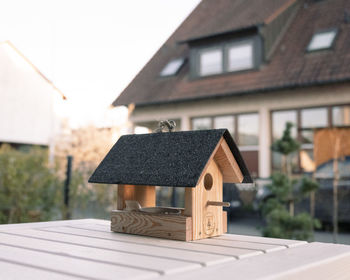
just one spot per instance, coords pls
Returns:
(90, 49)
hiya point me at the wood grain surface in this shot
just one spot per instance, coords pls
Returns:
(176, 227)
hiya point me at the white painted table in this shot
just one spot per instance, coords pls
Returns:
(86, 249)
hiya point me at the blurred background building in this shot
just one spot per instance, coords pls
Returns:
(27, 107)
(251, 68)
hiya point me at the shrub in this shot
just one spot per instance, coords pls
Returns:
(280, 222)
(29, 189)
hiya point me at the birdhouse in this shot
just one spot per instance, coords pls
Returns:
(199, 161)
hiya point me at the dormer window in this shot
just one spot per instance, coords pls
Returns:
(240, 56)
(322, 40)
(225, 57)
(210, 61)
(172, 68)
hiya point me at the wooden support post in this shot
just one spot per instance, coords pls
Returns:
(189, 192)
(224, 221)
(145, 195)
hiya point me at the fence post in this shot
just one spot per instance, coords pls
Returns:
(67, 214)
(173, 199)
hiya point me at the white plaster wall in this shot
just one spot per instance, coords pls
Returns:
(307, 97)
(262, 103)
(26, 101)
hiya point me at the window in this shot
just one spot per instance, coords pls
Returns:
(201, 123)
(305, 120)
(279, 120)
(312, 118)
(315, 117)
(322, 40)
(248, 130)
(247, 125)
(244, 126)
(341, 115)
(172, 67)
(226, 57)
(225, 122)
(210, 62)
(240, 57)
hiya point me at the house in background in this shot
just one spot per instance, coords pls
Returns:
(27, 115)
(251, 66)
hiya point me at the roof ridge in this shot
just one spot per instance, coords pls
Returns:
(279, 11)
(180, 131)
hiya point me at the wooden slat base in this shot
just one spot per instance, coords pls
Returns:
(175, 227)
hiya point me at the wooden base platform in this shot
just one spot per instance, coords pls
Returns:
(177, 227)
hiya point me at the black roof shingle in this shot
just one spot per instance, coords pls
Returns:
(163, 159)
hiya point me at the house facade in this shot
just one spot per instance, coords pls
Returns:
(27, 115)
(250, 69)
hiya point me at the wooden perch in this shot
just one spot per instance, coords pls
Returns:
(218, 203)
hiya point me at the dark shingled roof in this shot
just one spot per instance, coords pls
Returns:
(213, 17)
(163, 159)
(290, 66)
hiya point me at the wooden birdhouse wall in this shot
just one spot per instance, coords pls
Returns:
(207, 220)
(145, 195)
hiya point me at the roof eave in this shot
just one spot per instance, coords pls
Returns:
(291, 86)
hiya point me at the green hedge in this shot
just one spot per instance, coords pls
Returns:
(29, 189)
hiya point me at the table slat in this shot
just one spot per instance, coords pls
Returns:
(5, 227)
(71, 266)
(158, 242)
(303, 260)
(15, 271)
(265, 240)
(201, 258)
(266, 248)
(338, 268)
(155, 264)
